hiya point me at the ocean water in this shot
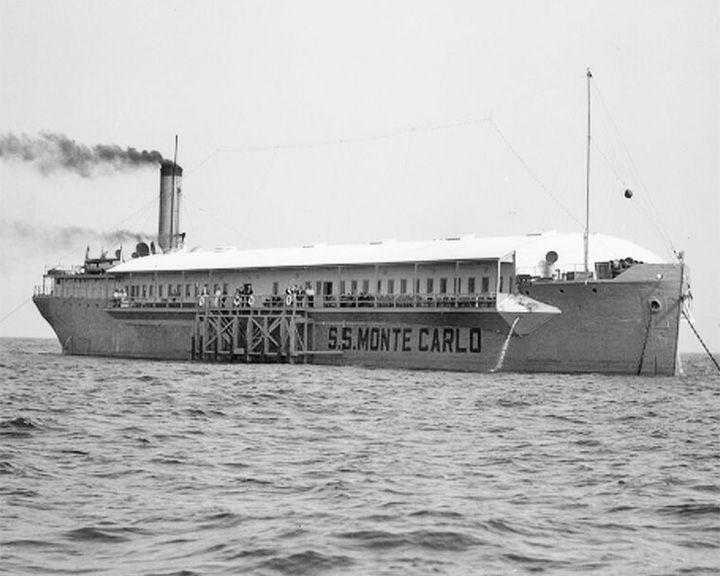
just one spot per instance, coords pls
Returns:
(172, 468)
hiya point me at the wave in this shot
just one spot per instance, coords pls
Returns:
(307, 562)
(539, 564)
(426, 539)
(95, 534)
(222, 520)
(19, 423)
(435, 514)
(175, 573)
(18, 427)
(693, 509)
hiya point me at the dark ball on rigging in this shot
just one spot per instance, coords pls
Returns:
(628, 193)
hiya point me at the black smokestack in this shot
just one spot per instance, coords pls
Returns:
(169, 209)
(51, 152)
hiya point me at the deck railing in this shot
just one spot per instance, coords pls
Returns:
(294, 300)
(305, 301)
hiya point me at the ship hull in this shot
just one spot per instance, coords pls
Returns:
(627, 325)
(85, 326)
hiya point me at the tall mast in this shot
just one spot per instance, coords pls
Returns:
(586, 236)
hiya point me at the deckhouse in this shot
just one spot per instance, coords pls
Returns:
(455, 271)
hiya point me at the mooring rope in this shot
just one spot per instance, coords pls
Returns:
(707, 350)
(15, 310)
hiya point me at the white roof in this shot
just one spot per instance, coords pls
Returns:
(529, 250)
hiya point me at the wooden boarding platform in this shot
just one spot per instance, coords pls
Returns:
(251, 335)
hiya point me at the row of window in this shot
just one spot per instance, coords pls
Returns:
(393, 286)
(174, 290)
(388, 286)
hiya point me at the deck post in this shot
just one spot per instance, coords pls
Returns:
(266, 337)
(283, 347)
(293, 335)
(234, 337)
(248, 337)
(218, 335)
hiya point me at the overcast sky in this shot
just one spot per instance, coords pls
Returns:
(341, 121)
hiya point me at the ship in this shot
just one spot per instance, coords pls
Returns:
(550, 302)
(516, 303)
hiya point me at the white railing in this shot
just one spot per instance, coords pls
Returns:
(304, 301)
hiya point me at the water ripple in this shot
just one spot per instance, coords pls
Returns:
(174, 468)
(307, 562)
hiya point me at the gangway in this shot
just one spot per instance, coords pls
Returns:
(251, 335)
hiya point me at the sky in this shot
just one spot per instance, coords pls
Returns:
(353, 121)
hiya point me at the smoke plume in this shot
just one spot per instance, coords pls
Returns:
(51, 152)
(66, 237)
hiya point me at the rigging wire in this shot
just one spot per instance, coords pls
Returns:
(653, 215)
(141, 209)
(69, 254)
(257, 192)
(643, 204)
(6, 316)
(357, 139)
(218, 220)
(653, 222)
(339, 141)
(200, 164)
(532, 174)
(308, 145)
